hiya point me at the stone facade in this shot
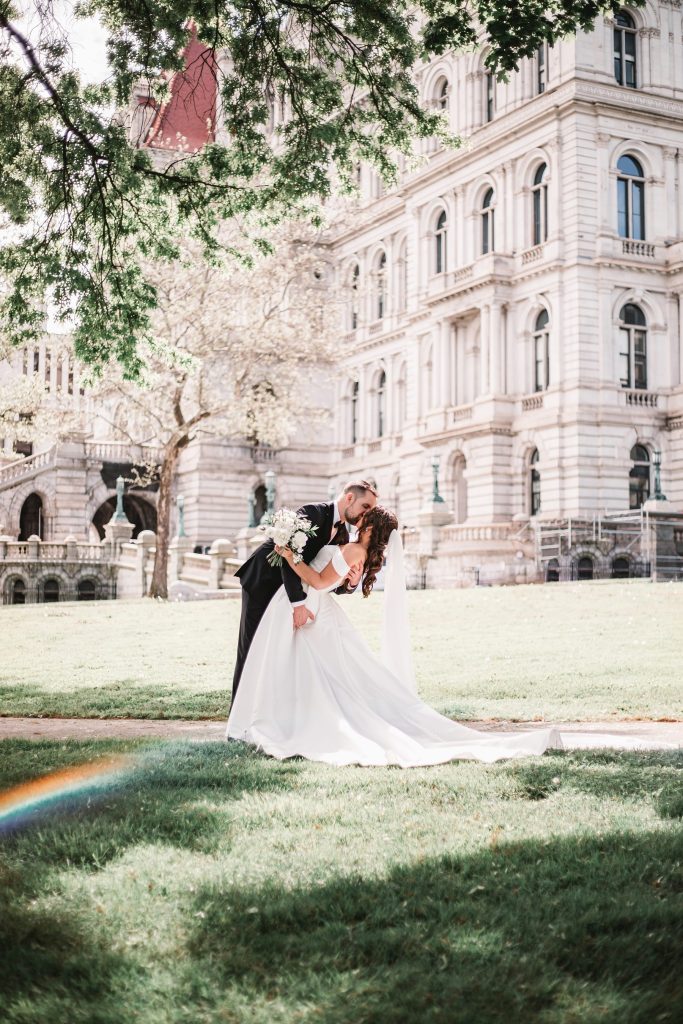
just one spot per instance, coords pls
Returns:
(514, 315)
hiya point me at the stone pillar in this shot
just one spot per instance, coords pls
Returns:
(177, 549)
(117, 534)
(484, 349)
(430, 519)
(218, 552)
(495, 345)
(146, 541)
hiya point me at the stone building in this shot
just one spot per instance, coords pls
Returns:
(514, 327)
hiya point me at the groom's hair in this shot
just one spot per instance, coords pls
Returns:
(359, 487)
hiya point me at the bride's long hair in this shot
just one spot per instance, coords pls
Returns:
(383, 521)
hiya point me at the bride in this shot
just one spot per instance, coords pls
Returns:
(319, 692)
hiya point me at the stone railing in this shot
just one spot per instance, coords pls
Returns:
(25, 467)
(348, 453)
(462, 412)
(532, 402)
(36, 550)
(629, 247)
(531, 255)
(488, 531)
(121, 451)
(640, 397)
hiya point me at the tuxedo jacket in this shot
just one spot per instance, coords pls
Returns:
(258, 576)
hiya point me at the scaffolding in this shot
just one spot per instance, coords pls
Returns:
(633, 543)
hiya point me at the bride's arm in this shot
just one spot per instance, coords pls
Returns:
(351, 553)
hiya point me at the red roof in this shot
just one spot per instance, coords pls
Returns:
(188, 119)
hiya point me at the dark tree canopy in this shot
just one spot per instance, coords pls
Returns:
(83, 209)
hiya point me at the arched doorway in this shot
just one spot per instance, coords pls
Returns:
(621, 568)
(31, 522)
(260, 503)
(552, 572)
(585, 568)
(140, 513)
(87, 590)
(50, 590)
(17, 591)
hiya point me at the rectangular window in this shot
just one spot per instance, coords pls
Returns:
(630, 59)
(618, 63)
(541, 68)
(537, 217)
(489, 96)
(622, 207)
(638, 213)
(640, 360)
(624, 359)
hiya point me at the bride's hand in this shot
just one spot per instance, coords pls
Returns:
(285, 553)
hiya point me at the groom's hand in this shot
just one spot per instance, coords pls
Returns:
(301, 614)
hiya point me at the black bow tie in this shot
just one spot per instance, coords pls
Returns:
(342, 534)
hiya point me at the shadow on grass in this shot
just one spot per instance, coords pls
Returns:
(54, 965)
(124, 699)
(575, 930)
(655, 775)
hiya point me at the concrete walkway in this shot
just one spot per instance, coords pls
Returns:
(623, 735)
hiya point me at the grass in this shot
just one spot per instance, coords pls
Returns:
(219, 886)
(564, 652)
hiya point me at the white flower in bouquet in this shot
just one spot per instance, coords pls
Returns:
(287, 530)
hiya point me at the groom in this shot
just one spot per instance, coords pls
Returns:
(260, 580)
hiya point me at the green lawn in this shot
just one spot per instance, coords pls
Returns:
(219, 886)
(575, 651)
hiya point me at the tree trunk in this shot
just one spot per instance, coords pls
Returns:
(159, 586)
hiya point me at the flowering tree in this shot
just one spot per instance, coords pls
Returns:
(234, 353)
(92, 207)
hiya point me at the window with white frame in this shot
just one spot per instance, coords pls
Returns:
(380, 298)
(542, 351)
(489, 96)
(625, 56)
(534, 483)
(440, 238)
(630, 198)
(541, 68)
(441, 95)
(539, 201)
(639, 476)
(381, 403)
(402, 296)
(632, 347)
(488, 241)
(355, 389)
(355, 277)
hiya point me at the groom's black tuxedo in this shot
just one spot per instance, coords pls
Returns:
(260, 580)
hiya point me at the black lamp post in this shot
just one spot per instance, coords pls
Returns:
(657, 462)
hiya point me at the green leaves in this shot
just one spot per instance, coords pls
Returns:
(305, 89)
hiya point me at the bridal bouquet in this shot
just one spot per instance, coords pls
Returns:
(287, 530)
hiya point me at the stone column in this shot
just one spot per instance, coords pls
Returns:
(495, 345)
(445, 346)
(177, 550)
(484, 349)
(219, 551)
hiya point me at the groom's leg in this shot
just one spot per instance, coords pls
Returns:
(253, 607)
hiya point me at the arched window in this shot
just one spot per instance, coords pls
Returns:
(541, 352)
(632, 347)
(489, 95)
(440, 236)
(585, 568)
(441, 95)
(488, 241)
(381, 401)
(625, 65)
(260, 500)
(31, 518)
(630, 198)
(355, 388)
(639, 477)
(87, 590)
(50, 590)
(18, 594)
(541, 68)
(539, 193)
(355, 275)
(380, 286)
(621, 568)
(534, 484)
(552, 571)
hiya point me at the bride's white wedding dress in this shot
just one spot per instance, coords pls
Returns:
(322, 694)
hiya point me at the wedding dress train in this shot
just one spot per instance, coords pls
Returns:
(322, 694)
